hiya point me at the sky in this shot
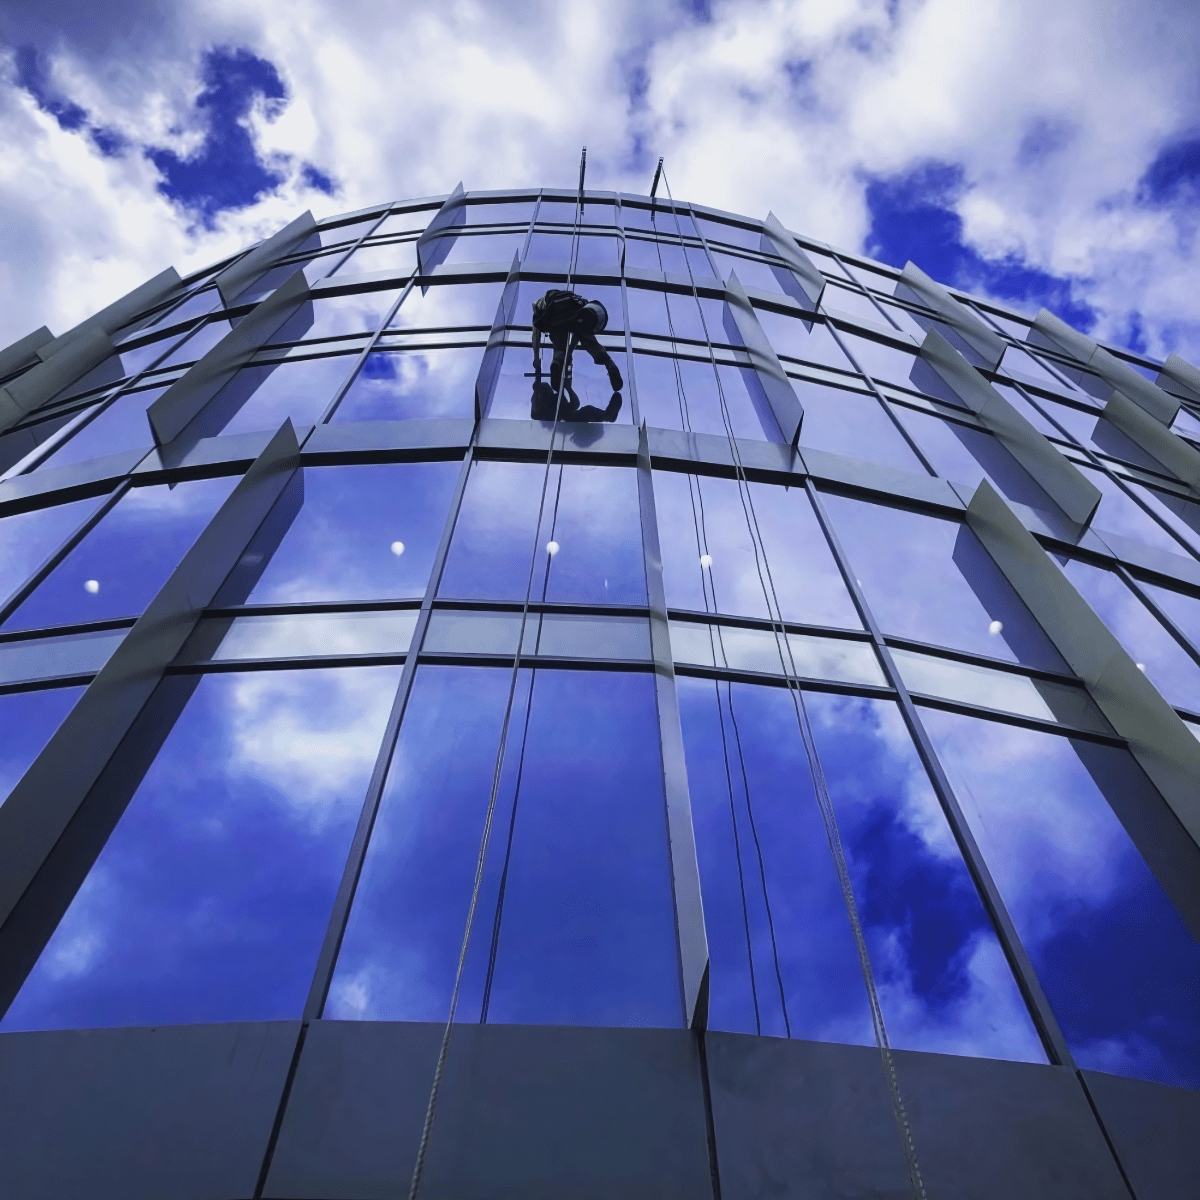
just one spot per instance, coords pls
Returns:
(1035, 151)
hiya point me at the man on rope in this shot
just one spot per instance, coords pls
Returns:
(568, 320)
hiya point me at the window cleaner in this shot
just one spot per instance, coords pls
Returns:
(568, 320)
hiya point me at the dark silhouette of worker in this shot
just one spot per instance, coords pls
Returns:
(567, 321)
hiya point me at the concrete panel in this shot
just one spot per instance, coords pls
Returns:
(1178, 456)
(781, 396)
(170, 414)
(1153, 1130)
(175, 1113)
(24, 351)
(1158, 739)
(536, 1112)
(1061, 480)
(808, 274)
(239, 275)
(814, 1120)
(988, 344)
(41, 383)
(1178, 375)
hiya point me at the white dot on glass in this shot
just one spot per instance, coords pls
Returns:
(397, 548)
(92, 585)
(1141, 667)
(706, 560)
(552, 548)
(995, 627)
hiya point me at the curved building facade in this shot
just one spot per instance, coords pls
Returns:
(782, 770)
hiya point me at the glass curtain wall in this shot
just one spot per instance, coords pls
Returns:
(425, 719)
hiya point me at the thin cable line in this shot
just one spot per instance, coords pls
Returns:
(820, 786)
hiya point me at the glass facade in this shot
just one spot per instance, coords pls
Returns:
(457, 699)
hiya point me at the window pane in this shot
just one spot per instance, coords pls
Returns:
(123, 425)
(333, 316)
(880, 359)
(314, 634)
(969, 456)
(703, 516)
(211, 897)
(485, 248)
(932, 580)
(260, 397)
(363, 532)
(500, 213)
(1184, 610)
(803, 656)
(809, 341)
(581, 932)
(853, 302)
(783, 955)
(590, 513)
(1120, 514)
(28, 720)
(1166, 664)
(563, 635)
(28, 539)
(400, 258)
(45, 658)
(1112, 954)
(198, 344)
(413, 384)
(854, 425)
(120, 565)
(446, 305)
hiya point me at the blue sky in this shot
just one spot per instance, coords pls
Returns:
(1042, 153)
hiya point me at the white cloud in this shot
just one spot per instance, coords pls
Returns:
(1052, 112)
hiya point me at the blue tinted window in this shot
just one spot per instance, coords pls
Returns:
(854, 425)
(211, 897)
(967, 455)
(360, 533)
(784, 960)
(28, 539)
(485, 248)
(590, 513)
(583, 930)
(123, 425)
(809, 341)
(683, 394)
(28, 720)
(1184, 610)
(1166, 664)
(413, 384)
(1120, 514)
(702, 516)
(120, 565)
(333, 316)
(449, 306)
(198, 344)
(753, 273)
(261, 397)
(932, 580)
(1113, 956)
(400, 258)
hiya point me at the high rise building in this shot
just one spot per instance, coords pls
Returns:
(786, 778)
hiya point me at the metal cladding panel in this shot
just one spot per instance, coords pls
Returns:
(781, 395)
(1158, 738)
(170, 414)
(986, 342)
(1161, 406)
(814, 1120)
(1179, 457)
(1179, 373)
(1062, 481)
(119, 314)
(452, 212)
(24, 350)
(803, 267)
(44, 381)
(173, 1113)
(49, 795)
(238, 276)
(1153, 1130)
(539, 1112)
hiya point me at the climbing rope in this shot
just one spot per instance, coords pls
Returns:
(535, 556)
(820, 785)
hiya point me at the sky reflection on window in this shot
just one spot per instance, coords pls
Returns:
(210, 899)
